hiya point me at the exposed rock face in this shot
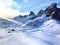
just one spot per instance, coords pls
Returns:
(40, 13)
(56, 15)
(31, 13)
(22, 16)
(52, 11)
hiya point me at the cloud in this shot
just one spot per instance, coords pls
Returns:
(7, 3)
(7, 12)
(7, 9)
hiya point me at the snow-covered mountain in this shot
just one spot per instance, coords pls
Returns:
(40, 29)
(47, 34)
(32, 20)
(25, 18)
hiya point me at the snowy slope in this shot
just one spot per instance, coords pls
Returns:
(4, 23)
(47, 34)
(51, 26)
(32, 30)
(35, 22)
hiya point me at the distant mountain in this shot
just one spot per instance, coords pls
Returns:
(19, 18)
(31, 16)
(25, 18)
(31, 13)
(33, 21)
(40, 13)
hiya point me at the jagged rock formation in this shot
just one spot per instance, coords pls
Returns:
(52, 11)
(56, 15)
(40, 13)
(31, 13)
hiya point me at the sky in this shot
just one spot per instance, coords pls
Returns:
(12, 8)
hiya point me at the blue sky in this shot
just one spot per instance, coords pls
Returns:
(16, 7)
(33, 5)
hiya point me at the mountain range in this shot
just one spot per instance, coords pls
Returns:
(42, 28)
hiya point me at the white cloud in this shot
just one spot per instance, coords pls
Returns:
(8, 3)
(7, 11)
(1, 3)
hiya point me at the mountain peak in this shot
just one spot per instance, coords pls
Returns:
(53, 11)
(31, 13)
(40, 13)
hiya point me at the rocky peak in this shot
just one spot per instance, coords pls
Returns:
(40, 13)
(31, 13)
(53, 11)
(51, 8)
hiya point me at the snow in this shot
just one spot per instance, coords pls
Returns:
(46, 34)
(51, 26)
(33, 38)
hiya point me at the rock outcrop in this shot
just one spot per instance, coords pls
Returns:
(40, 13)
(31, 13)
(52, 11)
